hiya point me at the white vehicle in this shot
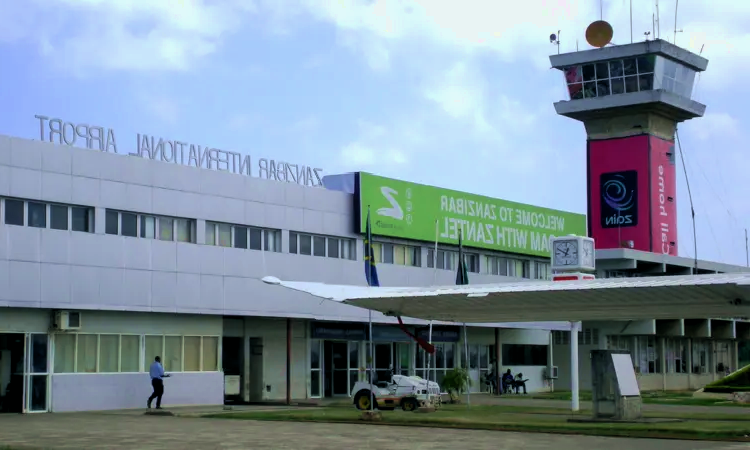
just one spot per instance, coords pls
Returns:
(408, 393)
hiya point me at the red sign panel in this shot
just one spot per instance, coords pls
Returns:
(618, 188)
(663, 204)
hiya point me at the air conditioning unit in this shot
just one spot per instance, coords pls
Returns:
(67, 321)
(551, 373)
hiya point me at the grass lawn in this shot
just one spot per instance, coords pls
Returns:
(654, 397)
(550, 420)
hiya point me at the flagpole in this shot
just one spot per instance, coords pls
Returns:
(429, 356)
(468, 364)
(434, 255)
(368, 256)
(372, 362)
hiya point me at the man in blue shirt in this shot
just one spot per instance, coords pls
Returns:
(156, 371)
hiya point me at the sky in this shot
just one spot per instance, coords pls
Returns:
(453, 94)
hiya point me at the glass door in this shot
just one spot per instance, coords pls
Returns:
(316, 378)
(403, 358)
(383, 362)
(340, 368)
(36, 373)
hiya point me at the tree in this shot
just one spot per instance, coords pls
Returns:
(456, 382)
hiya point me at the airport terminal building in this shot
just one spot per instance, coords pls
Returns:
(109, 258)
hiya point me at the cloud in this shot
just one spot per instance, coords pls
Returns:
(136, 35)
(359, 156)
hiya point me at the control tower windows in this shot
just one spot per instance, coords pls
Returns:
(601, 79)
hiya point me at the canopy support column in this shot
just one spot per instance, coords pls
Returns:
(575, 404)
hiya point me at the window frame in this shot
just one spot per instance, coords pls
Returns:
(294, 245)
(142, 226)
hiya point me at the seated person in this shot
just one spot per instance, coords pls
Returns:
(491, 380)
(507, 381)
(519, 382)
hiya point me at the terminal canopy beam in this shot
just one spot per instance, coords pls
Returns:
(664, 297)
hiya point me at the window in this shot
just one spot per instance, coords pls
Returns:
(130, 353)
(319, 246)
(210, 353)
(674, 77)
(588, 336)
(82, 219)
(610, 77)
(154, 346)
(37, 215)
(172, 359)
(524, 355)
(542, 271)
(518, 268)
(699, 357)
(192, 354)
(560, 337)
(403, 255)
(58, 217)
(148, 227)
(472, 262)
(129, 224)
(677, 355)
(445, 259)
(13, 212)
(185, 230)
(166, 229)
(495, 265)
(648, 354)
(240, 237)
(307, 244)
(109, 353)
(442, 362)
(112, 222)
(256, 238)
(87, 350)
(65, 350)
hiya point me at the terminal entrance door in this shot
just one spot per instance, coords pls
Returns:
(24, 372)
(341, 367)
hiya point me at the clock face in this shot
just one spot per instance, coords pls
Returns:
(589, 258)
(566, 253)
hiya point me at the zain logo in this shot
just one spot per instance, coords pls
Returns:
(395, 211)
(619, 199)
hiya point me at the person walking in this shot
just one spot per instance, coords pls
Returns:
(156, 371)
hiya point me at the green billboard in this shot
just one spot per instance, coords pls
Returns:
(425, 213)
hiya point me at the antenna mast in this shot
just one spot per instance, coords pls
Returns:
(747, 253)
(658, 23)
(631, 21)
(676, 5)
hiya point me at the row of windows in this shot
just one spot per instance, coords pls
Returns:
(587, 336)
(325, 246)
(111, 353)
(55, 216)
(240, 236)
(646, 352)
(149, 226)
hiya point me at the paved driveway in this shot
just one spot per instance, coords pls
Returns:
(116, 432)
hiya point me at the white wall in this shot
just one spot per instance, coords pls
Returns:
(96, 392)
(24, 320)
(45, 268)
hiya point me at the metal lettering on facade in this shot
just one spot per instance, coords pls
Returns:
(93, 137)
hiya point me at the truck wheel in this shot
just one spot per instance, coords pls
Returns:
(409, 404)
(362, 400)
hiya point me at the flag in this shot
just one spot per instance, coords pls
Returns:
(371, 272)
(462, 276)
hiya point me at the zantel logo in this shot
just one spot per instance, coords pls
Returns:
(619, 199)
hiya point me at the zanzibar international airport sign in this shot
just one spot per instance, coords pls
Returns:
(414, 211)
(177, 152)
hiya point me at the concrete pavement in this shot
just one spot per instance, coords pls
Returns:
(84, 431)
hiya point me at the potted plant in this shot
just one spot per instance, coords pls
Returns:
(456, 382)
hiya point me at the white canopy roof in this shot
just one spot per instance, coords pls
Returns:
(666, 297)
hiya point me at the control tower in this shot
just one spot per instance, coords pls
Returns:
(630, 98)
